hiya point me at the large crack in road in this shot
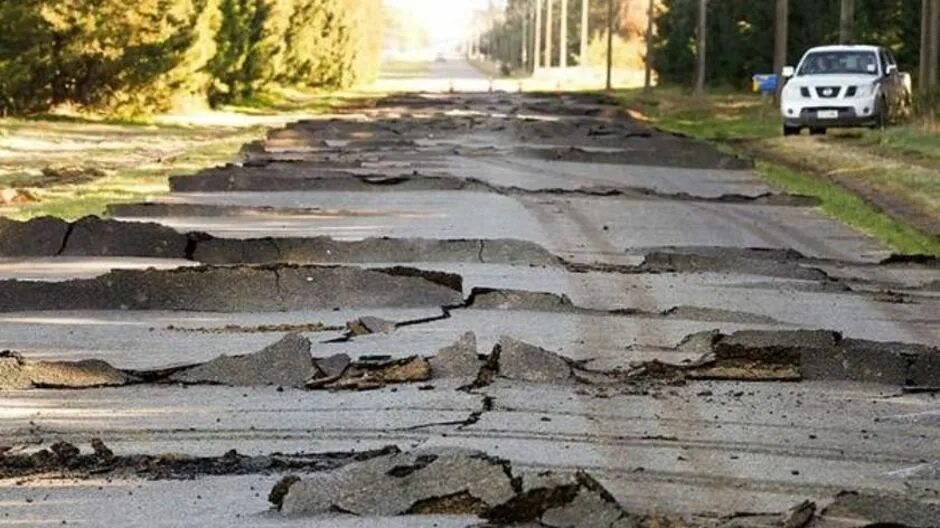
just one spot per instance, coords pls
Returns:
(496, 308)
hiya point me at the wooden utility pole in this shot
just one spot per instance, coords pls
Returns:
(700, 48)
(648, 63)
(563, 61)
(537, 48)
(585, 23)
(610, 43)
(781, 16)
(847, 22)
(548, 34)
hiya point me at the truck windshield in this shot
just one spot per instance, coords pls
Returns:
(840, 62)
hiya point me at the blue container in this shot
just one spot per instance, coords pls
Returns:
(765, 83)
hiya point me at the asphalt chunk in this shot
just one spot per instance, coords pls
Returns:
(454, 482)
(287, 363)
(865, 509)
(459, 360)
(39, 237)
(794, 355)
(93, 237)
(371, 488)
(238, 289)
(524, 362)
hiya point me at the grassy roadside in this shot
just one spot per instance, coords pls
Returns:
(885, 184)
(71, 166)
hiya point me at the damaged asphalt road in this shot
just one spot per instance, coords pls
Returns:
(468, 310)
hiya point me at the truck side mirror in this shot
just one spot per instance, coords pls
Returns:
(788, 71)
(891, 69)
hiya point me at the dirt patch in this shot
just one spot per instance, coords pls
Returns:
(238, 289)
(374, 374)
(66, 460)
(899, 207)
(17, 373)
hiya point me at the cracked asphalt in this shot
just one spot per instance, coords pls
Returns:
(433, 302)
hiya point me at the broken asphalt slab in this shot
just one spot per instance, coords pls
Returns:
(225, 289)
(91, 237)
(456, 482)
(94, 237)
(794, 355)
(286, 363)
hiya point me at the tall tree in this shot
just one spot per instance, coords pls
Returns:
(585, 29)
(548, 33)
(701, 47)
(781, 32)
(563, 35)
(537, 52)
(847, 22)
(648, 60)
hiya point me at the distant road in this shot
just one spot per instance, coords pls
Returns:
(451, 75)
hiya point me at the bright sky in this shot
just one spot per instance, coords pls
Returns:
(446, 21)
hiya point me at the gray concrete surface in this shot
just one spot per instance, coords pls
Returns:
(647, 254)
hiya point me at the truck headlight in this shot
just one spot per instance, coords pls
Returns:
(867, 90)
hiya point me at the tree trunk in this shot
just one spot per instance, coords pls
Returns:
(548, 34)
(847, 22)
(563, 46)
(648, 63)
(700, 48)
(923, 86)
(933, 45)
(524, 52)
(537, 51)
(610, 44)
(585, 22)
(781, 16)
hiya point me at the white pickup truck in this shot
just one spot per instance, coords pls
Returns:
(843, 86)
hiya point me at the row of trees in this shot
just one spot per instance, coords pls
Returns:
(536, 34)
(743, 37)
(153, 55)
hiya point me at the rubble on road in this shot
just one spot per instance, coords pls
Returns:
(794, 355)
(63, 459)
(456, 482)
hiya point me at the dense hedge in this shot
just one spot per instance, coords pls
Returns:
(152, 55)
